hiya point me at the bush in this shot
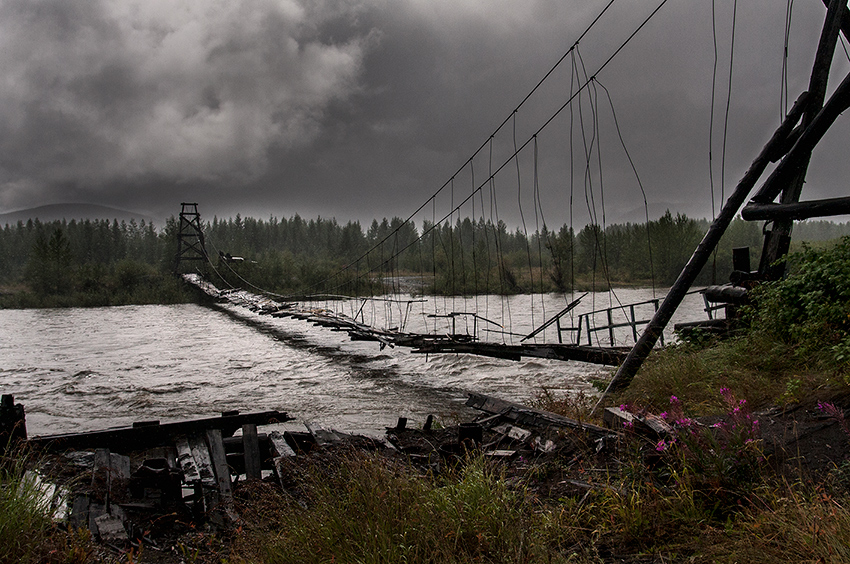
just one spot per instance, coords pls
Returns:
(810, 308)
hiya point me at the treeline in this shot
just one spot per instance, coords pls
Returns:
(106, 262)
(87, 263)
(469, 257)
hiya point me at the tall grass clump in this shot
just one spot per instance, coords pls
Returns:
(27, 531)
(370, 510)
(24, 524)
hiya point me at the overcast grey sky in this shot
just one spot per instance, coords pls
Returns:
(363, 108)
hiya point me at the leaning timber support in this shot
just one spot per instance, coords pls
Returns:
(701, 255)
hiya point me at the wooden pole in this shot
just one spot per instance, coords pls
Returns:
(797, 211)
(654, 329)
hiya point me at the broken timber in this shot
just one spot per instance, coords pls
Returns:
(529, 416)
(611, 356)
(153, 434)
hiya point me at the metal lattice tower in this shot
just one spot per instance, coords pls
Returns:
(190, 237)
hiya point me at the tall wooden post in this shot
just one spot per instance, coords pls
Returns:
(778, 240)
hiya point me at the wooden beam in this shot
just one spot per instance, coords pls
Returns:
(137, 437)
(797, 157)
(251, 452)
(610, 356)
(796, 211)
(219, 461)
(845, 20)
(527, 415)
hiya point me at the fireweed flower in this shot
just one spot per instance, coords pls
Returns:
(836, 413)
(727, 451)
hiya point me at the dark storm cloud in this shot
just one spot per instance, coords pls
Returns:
(97, 94)
(363, 108)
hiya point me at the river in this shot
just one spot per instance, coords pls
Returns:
(80, 369)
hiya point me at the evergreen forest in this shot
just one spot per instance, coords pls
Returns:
(103, 262)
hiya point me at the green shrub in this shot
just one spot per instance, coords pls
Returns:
(810, 308)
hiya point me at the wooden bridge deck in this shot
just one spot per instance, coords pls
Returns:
(420, 343)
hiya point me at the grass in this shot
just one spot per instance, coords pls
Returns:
(375, 512)
(371, 510)
(27, 532)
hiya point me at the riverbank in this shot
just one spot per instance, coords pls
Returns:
(767, 485)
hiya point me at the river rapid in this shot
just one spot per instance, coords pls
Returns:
(81, 369)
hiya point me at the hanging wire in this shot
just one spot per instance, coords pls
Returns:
(495, 221)
(711, 111)
(711, 131)
(528, 96)
(497, 232)
(640, 184)
(522, 215)
(783, 94)
(728, 101)
(538, 214)
(493, 172)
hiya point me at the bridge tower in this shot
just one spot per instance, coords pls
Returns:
(190, 237)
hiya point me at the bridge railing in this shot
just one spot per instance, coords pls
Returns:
(609, 320)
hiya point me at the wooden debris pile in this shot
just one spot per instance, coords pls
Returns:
(146, 480)
(130, 483)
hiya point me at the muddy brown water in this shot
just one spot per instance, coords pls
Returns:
(80, 369)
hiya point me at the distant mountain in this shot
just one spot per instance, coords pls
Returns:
(68, 212)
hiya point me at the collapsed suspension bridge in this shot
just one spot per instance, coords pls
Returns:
(789, 152)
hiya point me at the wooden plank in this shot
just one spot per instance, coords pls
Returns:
(187, 461)
(797, 211)
(527, 415)
(148, 436)
(280, 444)
(110, 528)
(253, 469)
(201, 454)
(219, 461)
(79, 512)
(610, 356)
(100, 470)
(321, 435)
(615, 418)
